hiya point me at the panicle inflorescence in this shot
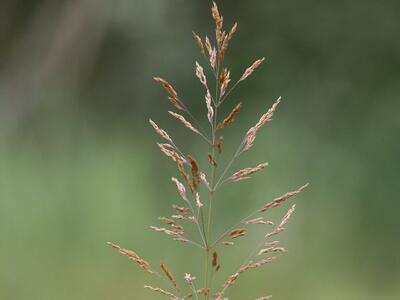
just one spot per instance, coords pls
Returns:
(194, 208)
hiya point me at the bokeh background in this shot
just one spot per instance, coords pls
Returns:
(79, 165)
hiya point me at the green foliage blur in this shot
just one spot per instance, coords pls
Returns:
(79, 165)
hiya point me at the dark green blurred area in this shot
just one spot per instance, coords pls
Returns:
(79, 165)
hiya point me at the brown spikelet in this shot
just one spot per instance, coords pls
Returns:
(283, 222)
(237, 233)
(133, 256)
(167, 149)
(169, 275)
(178, 228)
(224, 81)
(185, 218)
(185, 176)
(226, 41)
(173, 95)
(278, 201)
(200, 74)
(251, 69)
(209, 47)
(181, 188)
(186, 123)
(161, 291)
(172, 233)
(195, 171)
(180, 209)
(219, 144)
(199, 204)
(231, 280)
(210, 110)
(228, 243)
(213, 58)
(232, 31)
(211, 160)
(272, 249)
(198, 42)
(214, 261)
(202, 291)
(245, 173)
(259, 220)
(203, 179)
(218, 23)
(160, 131)
(231, 117)
(261, 262)
(247, 266)
(252, 132)
(286, 218)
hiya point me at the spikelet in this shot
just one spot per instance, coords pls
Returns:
(224, 81)
(251, 69)
(169, 275)
(173, 95)
(219, 144)
(218, 23)
(202, 291)
(272, 249)
(133, 256)
(231, 117)
(261, 262)
(181, 188)
(185, 176)
(161, 291)
(244, 173)
(195, 172)
(212, 161)
(259, 220)
(237, 233)
(203, 179)
(185, 218)
(160, 131)
(252, 132)
(264, 298)
(216, 15)
(177, 228)
(180, 209)
(283, 222)
(199, 204)
(184, 121)
(213, 58)
(278, 201)
(167, 150)
(232, 31)
(228, 243)
(210, 110)
(226, 40)
(286, 218)
(200, 75)
(209, 47)
(168, 232)
(198, 42)
(247, 266)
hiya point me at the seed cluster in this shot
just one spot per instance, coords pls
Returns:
(197, 189)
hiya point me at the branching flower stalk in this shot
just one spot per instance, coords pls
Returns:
(197, 209)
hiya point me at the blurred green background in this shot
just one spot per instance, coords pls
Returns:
(79, 165)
